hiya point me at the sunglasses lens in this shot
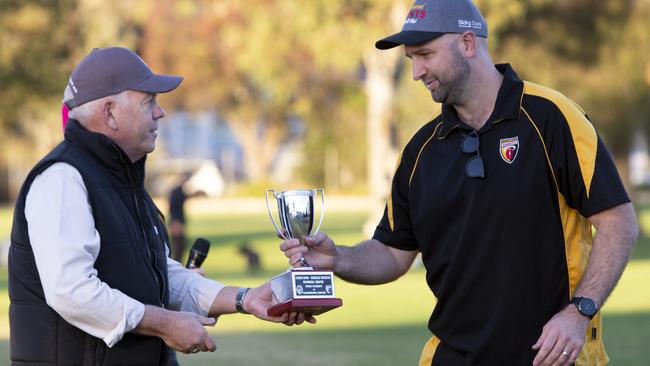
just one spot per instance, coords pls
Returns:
(470, 143)
(474, 167)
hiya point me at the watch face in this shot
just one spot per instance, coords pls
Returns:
(587, 306)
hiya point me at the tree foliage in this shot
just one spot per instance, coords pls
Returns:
(261, 62)
(33, 59)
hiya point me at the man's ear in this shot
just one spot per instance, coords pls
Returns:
(108, 110)
(468, 44)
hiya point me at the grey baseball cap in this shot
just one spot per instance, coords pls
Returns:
(429, 19)
(108, 71)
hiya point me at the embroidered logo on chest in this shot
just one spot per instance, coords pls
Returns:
(508, 149)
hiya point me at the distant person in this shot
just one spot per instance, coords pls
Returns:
(90, 282)
(499, 194)
(253, 264)
(177, 218)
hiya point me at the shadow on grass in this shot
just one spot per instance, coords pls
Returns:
(627, 337)
(350, 347)
(237, 237)
(238, 275)
(223, 229)
(234, 238)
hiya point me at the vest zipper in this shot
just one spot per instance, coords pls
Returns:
(164, 284)
(158, 275)
(151, 256)
(156, 238)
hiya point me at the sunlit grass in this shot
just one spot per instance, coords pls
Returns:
(404, 302)
(632, 293)
(377, 325)
(408, 300)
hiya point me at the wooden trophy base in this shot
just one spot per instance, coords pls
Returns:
(307, 306)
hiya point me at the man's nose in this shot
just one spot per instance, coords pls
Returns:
(158, 112)
(418, 70)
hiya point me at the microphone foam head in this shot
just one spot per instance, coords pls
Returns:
(201, 245)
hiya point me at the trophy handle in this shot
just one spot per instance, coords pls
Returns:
(322, 208)
(268, 208)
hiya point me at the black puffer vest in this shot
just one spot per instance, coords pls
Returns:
(131, 259)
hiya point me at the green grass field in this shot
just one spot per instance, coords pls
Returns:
(378, 325)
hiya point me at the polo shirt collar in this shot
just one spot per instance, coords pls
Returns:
(507, 106)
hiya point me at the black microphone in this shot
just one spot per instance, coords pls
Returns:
(198, 253)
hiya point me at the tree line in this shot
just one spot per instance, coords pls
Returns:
(261, 62)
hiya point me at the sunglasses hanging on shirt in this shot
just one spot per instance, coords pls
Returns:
(474, 168)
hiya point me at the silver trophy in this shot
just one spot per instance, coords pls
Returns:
(296, 212)
(302, 289)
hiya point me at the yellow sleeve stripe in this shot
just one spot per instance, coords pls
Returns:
(429, 349)
(389, 205)
(548, 158)
(420, 152)
(391, 221)
(583, 133)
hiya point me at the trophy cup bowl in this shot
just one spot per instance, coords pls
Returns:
(303, 289)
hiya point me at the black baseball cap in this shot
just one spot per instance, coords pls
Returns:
(109, 71)
(429, 19)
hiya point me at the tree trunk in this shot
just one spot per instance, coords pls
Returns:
(380, 88)
(259, 142)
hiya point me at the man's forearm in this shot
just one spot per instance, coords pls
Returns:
(616, 235)
(180, 330)
(224, 302)
(371, 263)
(153, 322)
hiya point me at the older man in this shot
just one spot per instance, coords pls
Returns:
(90, 281)
(499, 193)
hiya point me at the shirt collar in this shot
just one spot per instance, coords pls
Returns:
(507, 106)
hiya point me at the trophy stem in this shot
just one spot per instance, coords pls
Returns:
(303, 261)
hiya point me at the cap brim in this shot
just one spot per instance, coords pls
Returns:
(406, 37)
(158, 84)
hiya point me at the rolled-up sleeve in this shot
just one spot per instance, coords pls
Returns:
(189, 291)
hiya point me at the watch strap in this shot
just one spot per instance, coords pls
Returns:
(576, 300)
(239, 299)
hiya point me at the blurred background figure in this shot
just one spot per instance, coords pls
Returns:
(177, 198)
(253, 264)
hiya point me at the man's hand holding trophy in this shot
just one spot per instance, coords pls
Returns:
(302, 289)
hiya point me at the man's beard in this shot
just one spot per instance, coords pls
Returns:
(451, 89)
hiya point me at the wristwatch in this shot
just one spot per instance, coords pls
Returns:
(239, 299)
(586, 306)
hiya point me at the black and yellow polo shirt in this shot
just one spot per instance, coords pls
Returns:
(503, 253)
